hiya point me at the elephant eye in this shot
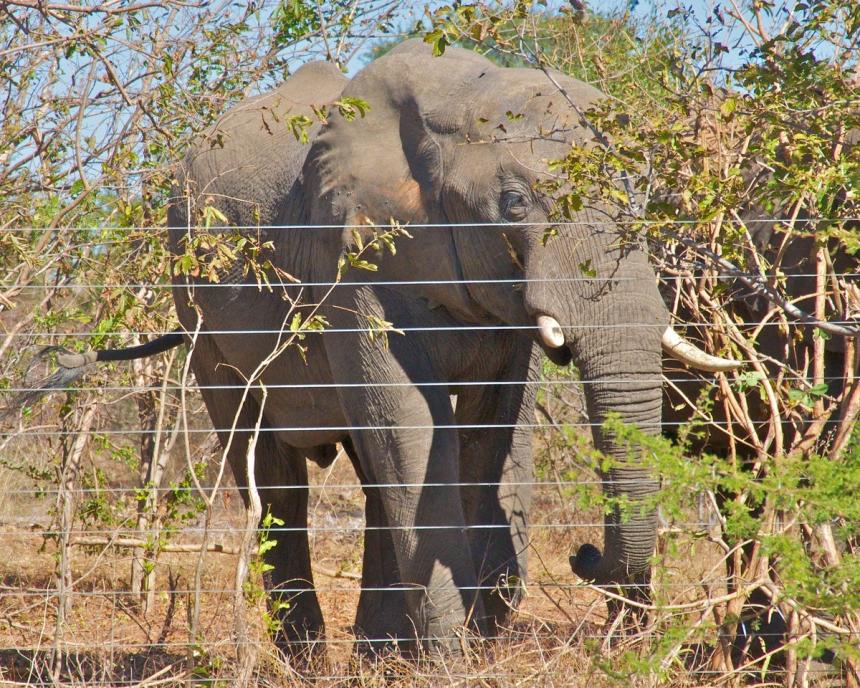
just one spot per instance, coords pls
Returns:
(514, 206)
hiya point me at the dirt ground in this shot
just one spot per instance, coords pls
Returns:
(557, 637)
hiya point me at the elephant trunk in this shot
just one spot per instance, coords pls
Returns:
(612, 325)
(626, 384)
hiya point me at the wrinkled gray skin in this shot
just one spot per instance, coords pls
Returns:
(422, 155)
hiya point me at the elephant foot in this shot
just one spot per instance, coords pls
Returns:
(443, 640)
(382, 624)
(379, 645)
(410, 648)
(409, 644)
(299, 635)
(384, 627)
(400, 668)
(761, 634)
(380, 649)
(305, 655)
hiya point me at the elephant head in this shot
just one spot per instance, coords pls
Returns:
(457, 147)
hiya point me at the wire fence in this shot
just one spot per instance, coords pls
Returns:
(134, 557)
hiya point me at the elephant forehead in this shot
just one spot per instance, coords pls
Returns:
(532, 94)
(494, 160)
(542, 121)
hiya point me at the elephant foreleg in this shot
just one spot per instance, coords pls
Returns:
(403, 438)
(382, 622)
(496, 469)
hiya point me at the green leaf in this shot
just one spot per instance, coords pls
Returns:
(296, 322)
(349, 107)
(299, 125)
(587, 269)
(727, 108)
(267, 545)
(748, 380)
(211, 215)
(362, 264)
(797, 395)
(819, 390)
(438, 40)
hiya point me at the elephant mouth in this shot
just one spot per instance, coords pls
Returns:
(560, 355)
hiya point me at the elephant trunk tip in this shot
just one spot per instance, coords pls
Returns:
(587, 563)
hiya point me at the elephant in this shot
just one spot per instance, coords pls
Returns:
(794, 257)
(452, 151)
(785, 248)
(762, 629)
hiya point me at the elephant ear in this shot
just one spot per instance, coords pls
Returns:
(247, 161)
(390, 163)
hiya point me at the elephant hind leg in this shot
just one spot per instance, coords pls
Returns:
(282, 480)
(281, 477)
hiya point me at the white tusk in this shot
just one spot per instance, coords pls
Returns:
(679, 348)
(550, 332)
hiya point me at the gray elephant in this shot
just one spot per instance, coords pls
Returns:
(453, 148)
(762, 628)
(793, 256)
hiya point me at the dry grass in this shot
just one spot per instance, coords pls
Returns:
(558, 636)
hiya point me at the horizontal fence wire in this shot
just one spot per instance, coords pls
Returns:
(694, 222)
(396, 329)
(313, 486)
(373, 428)
(447, 676)
(358, 528)
(262, 489)
(131, 387)
(332, 641)
(406, 283)
(270, 387)
(286, 589)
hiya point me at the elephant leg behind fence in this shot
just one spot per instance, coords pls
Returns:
(761, 629)
(382, 622)
(281, 476)
(403, 438)
(496, 469)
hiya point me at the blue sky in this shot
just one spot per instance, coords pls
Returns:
(701, 13)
